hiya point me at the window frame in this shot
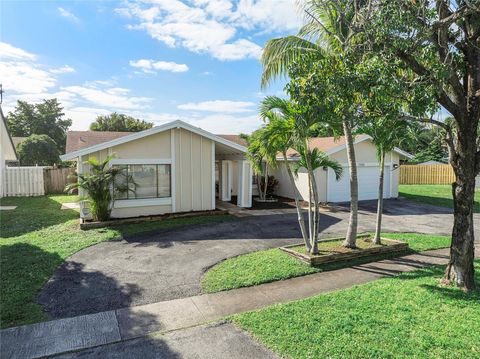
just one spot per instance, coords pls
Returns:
(122, 202)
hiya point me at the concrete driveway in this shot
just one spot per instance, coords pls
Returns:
(168, 264)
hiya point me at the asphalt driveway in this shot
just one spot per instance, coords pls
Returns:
(168, 264)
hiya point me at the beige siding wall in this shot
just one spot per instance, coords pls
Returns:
(395, 159)
(193, 166)
(154, 146)
(364, 153)
(140, 211)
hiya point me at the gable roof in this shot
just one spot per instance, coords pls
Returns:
(137, 135)
(77, 140)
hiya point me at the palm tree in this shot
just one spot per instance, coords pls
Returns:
(255, 153)
(327, 33)
(386, 133)
(288, 128)
(98, 183)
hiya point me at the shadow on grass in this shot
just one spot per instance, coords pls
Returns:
(31, 214)
(453, 292)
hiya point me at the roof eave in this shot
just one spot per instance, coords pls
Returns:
(137, 135)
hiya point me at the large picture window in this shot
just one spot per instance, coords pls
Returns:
(144, 181)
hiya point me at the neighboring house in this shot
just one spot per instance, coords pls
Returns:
(331, 190)
(7, 151)
(177, 167)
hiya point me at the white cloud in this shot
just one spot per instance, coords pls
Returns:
(209, 26)
(63, 70)
(68, 15)
(8, 51)
(219, 106)
(149, 66)
(20, 76)
(116, 98)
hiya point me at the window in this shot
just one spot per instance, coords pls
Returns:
(144, 181)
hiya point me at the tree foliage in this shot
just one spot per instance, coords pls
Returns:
(98, 182)
(44, 118)
(119, 122)
(38, 150)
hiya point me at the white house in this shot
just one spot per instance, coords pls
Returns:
(176, 167)
(368, 170)
(7, 151)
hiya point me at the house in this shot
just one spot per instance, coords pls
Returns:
(331, 190)
(177, 167)
(7, 151)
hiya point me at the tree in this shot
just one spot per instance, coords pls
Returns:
(289, 127)
(38, 150)
(45, 118)
(326, 36)
(98, 183)
(438, 43)
(119, 122)
(426, 142)
(255, 155)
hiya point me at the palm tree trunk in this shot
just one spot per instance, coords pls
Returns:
(310, 231)
(259, 186)
(265, 183)
(316, 214)
(351, 238)
(301, 220)
(378, 227)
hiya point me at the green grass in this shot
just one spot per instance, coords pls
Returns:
(438, 195)
(273, 264)
(37, 237)
(407, 316)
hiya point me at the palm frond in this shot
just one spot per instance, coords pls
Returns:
(279, 53)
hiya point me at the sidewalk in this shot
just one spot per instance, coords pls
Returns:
(63, 335)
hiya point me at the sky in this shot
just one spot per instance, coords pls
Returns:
(157, 60)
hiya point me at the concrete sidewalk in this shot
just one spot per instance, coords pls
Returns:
(64, 335)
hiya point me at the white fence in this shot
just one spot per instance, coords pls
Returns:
(23, 181)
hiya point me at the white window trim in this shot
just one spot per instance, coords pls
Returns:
(144, 202)
(139, 161)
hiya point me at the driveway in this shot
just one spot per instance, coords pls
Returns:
(169, 264)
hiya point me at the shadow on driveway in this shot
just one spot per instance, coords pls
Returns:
(160, 265)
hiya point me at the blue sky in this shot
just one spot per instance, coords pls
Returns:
(159, 60)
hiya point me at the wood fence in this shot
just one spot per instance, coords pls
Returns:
(426, 174)
(56, 179)
(23, 181)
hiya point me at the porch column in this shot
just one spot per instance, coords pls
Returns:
(244, 184)
(226, 173)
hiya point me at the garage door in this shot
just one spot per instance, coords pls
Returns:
(339, 191)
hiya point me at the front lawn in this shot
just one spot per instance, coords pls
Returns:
(438, 195)
(273, 264)
(407, 316)
(37, 237)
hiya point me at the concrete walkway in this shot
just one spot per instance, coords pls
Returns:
(93, 330)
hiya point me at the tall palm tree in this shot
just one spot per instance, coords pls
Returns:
(326, 33)
(386, 133)
(288, 128)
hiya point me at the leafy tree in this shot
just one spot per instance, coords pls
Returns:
(98, 185)
(288, 127)
(38, 150)
(119, 122)
(45, 118)
(437, 43)
(426, 143)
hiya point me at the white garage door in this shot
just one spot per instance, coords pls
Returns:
(339, 191)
